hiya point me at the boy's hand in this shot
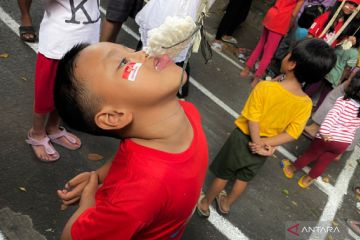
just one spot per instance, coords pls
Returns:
(263, 150)
(74, 188)
(88, 194)
(327, 138)
(267, 150)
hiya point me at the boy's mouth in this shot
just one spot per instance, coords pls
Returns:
(161, 62)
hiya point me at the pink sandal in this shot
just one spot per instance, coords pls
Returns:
(55, 138)
(45, 142)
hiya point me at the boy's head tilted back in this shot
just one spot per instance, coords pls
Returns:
(313, 59)
(103, 88)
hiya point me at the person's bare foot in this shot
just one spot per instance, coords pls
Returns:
(42, 147)
(245, 72)
(305, 181)
(254, 82)
(338, 157)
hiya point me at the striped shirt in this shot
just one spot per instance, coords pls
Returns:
(341, 121)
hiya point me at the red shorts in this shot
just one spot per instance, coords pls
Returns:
(45, 72)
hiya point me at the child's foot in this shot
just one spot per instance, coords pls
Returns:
(202, 208)
(42, 147)
(254, 82)
(245, 72)
(64, 138)
(305, 181)
(338, 157)
(221, 205)
(288, 168)
(311, 130)
(229, 39)
(217, 45)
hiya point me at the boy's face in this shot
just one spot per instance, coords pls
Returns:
(122, 78)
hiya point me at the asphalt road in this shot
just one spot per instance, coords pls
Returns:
(29, 208)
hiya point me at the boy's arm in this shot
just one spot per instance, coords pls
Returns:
(254, 129)
(297, 9)
(87, 201)
(278, 139)
(74, 187)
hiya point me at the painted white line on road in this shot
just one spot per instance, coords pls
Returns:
(14, 26)
(220, 223)
(2, 237)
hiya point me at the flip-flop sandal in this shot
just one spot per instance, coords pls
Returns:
(23, 30)
(45, 142)
(217, 46)
(221, 195)
(55, 138)
(301, 182)
(231, 40)
(199, 211)
(285, 164)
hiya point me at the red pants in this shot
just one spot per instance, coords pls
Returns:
(267, 45)
(45, 73)
(322, 153)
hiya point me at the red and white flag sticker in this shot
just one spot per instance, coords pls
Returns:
(131, 70)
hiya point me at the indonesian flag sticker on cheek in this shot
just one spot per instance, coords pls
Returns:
(131, 70)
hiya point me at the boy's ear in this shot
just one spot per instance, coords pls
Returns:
(291, 66)
(113, 119)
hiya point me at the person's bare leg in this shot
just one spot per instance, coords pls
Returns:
(24, 6)
(109, 31)
(215, 188)
(38, 132)
(236, 191)
(52, 127)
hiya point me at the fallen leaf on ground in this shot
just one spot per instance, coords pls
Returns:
(358, 197)
(326, 179)
(295, 203)
(4, 55)
(335, 223)
(24, 78)
(330, 237)
(22, 189)
(49, 230)
(94, 157)
(285, 191)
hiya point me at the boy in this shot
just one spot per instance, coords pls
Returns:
(65, 23)
(275, 113)
(150, 189)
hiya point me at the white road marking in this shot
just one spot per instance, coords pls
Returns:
(2, 237)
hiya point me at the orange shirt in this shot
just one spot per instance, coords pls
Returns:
(278, 17)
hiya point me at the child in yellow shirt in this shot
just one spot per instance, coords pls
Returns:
(275, 113)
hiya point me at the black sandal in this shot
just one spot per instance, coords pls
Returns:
(29, 30)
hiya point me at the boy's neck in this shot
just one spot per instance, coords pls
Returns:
(291, 84)
(165, 127)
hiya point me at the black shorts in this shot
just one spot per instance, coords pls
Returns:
(235, 161)
(120, 10)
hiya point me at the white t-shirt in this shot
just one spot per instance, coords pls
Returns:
(154, 13)
(67, 23)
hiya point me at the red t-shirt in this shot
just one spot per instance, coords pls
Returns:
(278, 18)
(320, 23)
(147, 194)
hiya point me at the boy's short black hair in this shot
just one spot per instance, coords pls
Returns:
(314, 58)
(353, 90)
(75, 104)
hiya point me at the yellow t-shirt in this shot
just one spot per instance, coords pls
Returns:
(276, 109)
(358, 63)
